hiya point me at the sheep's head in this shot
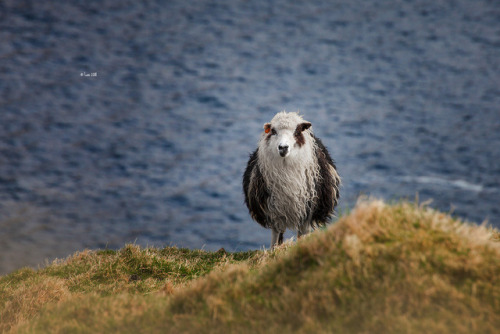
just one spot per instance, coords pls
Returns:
(284, 135)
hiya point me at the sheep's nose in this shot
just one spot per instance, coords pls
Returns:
(283, 149)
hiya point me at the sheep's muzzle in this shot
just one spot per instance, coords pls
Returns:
(283, 150)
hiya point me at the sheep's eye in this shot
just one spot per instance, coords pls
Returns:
(273, 132)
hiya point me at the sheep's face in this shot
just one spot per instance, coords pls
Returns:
(284, 137)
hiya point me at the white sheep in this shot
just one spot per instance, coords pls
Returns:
(290, 180)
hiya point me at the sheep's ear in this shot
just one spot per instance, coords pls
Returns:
(267, 127)
(303, 126)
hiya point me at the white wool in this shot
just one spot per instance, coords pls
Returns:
(284, 120)
(291, 181)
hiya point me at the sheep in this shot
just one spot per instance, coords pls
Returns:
(290, 181)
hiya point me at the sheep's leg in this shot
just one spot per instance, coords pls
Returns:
(277, 238)
(304, 229)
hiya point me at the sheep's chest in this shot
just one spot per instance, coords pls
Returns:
(292, 193)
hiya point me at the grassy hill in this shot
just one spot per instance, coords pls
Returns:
(399, 268)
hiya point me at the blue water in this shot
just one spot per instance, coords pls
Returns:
(151, 146)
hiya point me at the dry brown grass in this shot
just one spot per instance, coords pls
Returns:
(384, 268)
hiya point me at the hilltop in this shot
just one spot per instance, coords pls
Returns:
(382, 268)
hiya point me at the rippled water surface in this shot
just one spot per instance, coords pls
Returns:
(132, 121)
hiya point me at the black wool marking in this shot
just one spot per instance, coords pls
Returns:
(327, 187)
(299, 136)
(272, 133)
(257, 200)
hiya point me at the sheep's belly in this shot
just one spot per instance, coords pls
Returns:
(288, 209)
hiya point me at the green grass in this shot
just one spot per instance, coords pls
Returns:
(396, 268)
